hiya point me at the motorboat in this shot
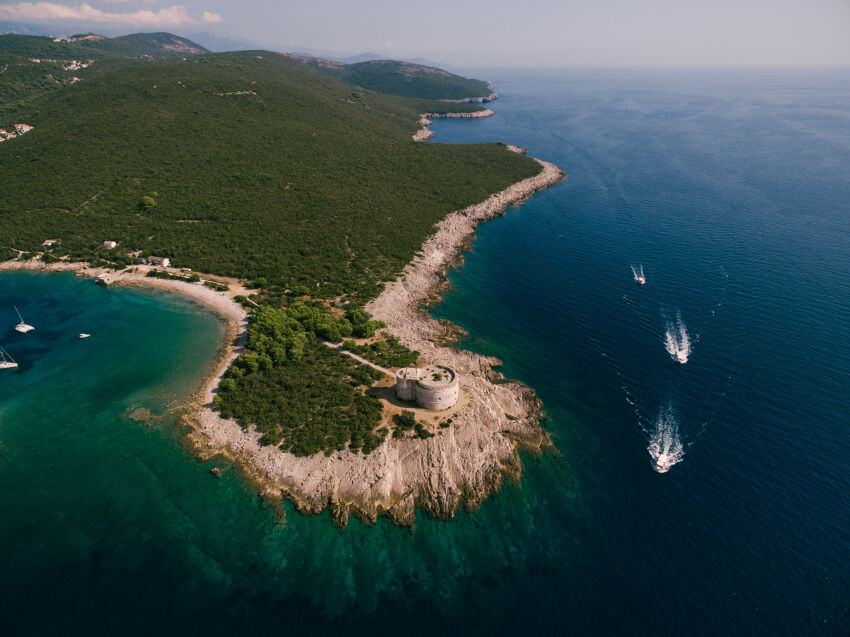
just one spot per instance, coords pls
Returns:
(662, 463)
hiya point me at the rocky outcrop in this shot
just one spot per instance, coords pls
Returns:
(424, 134)
(470, 115)
(474, 100)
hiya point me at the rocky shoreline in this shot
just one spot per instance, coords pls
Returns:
(461, 466)
(424, 133)
(474, 100)
(486, 112)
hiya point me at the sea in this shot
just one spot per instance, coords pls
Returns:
(703, 497)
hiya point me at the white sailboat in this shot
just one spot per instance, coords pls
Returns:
(22, 327)
(6, 361)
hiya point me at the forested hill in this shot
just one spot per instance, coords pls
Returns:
(400, 78)
(33, 65)
(156, 45)
(247, 164)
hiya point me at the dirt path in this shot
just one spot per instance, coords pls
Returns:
(360, 359)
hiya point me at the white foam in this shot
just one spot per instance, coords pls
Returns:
(676, 340)
(665, 444)
(637, 273)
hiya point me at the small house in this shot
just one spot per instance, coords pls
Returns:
(109, 244)
(22, 128)
(162, 261)
(49, 243)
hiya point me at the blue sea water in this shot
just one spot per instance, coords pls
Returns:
(730, 188)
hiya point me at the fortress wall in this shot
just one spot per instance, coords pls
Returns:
(437, 399)
(405, 388)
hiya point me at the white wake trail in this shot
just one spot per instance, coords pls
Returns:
(665, 444)
(637, 273)
(677, 342)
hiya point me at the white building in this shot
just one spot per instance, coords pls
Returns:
(163, 261)
(49, 243)
(109, 244)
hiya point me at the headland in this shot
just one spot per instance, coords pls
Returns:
(461, 466)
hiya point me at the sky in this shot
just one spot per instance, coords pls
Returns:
(493, 32)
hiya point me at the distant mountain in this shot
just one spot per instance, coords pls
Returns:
(157, 45)
(374, 57)
(56, 28)
(24, 29)
(399, 78)
(363, 57)
(220, 43)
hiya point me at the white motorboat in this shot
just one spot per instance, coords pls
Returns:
(84, 335)
(662, 463)
(22, 327)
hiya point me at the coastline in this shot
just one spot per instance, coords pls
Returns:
(221, 303)
(424, 133)
(475, 100)
(461, 466)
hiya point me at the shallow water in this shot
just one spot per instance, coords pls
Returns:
(730, 188)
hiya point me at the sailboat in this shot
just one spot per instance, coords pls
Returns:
(22, 327)
(6, 361)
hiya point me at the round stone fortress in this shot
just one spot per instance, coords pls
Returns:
(433, 387)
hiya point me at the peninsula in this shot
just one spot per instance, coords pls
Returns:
(300, 196)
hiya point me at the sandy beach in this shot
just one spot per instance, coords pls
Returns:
(221, 303)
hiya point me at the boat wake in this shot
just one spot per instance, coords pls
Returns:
(676, 340)
(637, 273)
(665, 444)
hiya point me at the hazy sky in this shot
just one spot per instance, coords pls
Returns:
(496, 32)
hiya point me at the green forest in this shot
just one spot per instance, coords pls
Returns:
(23, 80)
(251, 165)
(404, 78)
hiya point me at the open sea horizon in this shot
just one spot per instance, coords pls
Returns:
(729, 188)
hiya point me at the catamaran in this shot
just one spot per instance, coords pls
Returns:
(6, 361)
(22, 327)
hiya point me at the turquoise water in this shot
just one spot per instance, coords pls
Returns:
(732, 190)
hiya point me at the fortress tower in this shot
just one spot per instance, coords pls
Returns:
(433, 387)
